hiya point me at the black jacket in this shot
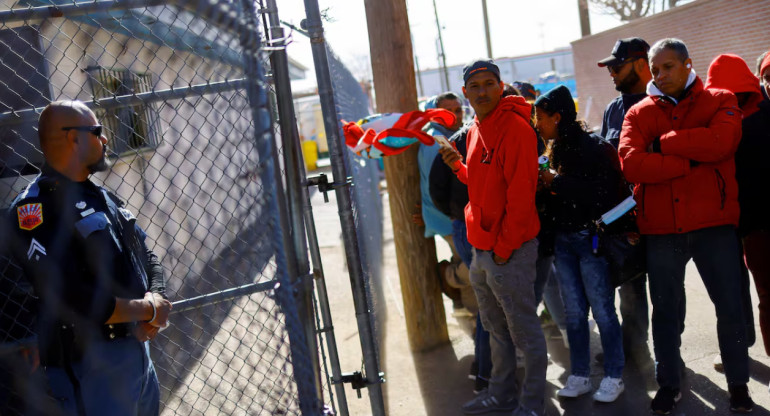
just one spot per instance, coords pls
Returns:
(751, 170)
(450, 195)
(588, 181)
(80, 250)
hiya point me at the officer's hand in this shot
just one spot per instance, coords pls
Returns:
(143, 331)
(162, 309)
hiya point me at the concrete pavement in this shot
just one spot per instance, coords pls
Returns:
(435, 383)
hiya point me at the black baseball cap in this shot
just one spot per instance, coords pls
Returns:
(625, 49)
(527, 90)
(480, 66)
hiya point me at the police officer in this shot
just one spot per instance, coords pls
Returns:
(101, 289)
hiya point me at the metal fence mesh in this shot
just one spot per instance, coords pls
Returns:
(195, 166)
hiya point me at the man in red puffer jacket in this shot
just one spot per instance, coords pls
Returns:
(678, 146)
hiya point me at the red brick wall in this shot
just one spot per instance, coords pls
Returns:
(708, 27)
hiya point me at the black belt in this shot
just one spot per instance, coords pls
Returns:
(117, 331)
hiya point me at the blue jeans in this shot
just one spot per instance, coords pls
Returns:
(584, 282)
(716, 254)
(547, 289)
(481, 338)
(116, 378)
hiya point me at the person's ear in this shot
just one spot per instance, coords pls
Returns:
(465, 94)
(502, 87)
(557, 117)
(688, 63)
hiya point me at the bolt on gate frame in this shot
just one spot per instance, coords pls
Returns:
(180, 88)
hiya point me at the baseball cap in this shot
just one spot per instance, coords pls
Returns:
(480, 66)
(625, 49)
(527, 90)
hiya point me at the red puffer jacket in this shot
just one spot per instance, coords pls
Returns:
(689, 182)
(501, 174)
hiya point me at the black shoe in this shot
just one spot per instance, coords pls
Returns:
(474, 370)
(740, 400)
(665, 400)
(481, 385)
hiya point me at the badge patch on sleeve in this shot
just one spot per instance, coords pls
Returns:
(30, 216)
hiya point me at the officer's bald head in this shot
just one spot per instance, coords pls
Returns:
(57, 115)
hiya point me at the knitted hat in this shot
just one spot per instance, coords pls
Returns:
(558, 100)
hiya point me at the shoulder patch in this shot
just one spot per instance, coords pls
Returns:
(30, 216)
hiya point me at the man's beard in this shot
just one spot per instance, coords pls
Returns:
(625, 85)
(100, 165)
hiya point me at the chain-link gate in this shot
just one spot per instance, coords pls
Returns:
(180, 89)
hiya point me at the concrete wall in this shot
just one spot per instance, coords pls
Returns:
(708, 27)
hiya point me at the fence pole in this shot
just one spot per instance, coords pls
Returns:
(310, 399)
(299, 205)
(344, 206)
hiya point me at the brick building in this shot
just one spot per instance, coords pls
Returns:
(708, 27)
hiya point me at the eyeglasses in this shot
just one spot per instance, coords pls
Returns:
(95, 130)
(614, 69)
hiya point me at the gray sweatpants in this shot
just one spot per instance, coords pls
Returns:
(506, 296)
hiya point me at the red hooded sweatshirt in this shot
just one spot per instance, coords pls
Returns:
(501, 174)
(730, 72)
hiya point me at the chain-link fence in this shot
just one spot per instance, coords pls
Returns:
(180, 90)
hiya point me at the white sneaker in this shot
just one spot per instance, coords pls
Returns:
(575, 387)
(609, 390)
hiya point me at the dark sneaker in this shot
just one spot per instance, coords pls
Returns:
(481, 385)
(485, 403)
(474, 371)
(665, 400)
(740, 399)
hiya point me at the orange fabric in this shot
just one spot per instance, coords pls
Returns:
(501, 173)
(730, 72)
(672, 196)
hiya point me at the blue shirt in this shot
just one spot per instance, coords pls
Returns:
(612, 123)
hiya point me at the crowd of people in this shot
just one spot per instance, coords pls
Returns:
(539, 207)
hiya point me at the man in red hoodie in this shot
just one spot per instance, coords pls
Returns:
(730, 72)
(501, 174)
(678, 145)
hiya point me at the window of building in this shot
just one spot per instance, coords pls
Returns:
(128, 128)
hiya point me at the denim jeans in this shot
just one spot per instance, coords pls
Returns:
(547, 290)
(716, 255)
(116, 378)
(481, 337)
(506, 295)
(584, 282)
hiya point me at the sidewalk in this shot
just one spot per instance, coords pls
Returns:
(436, 383)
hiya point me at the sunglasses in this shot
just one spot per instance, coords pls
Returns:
(95, 130)
(614, 69)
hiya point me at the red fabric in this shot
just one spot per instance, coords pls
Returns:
(730, 72)
(501, 213)
(673, 197)
(408, 125)
(765, 64)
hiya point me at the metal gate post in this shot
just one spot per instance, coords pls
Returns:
(344, 205)
(310, 400)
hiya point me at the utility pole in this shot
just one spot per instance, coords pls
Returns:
(441, 48)
(585, 22)
(486, 28)
(394, 82)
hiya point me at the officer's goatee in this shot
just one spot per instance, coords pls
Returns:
(100, 165)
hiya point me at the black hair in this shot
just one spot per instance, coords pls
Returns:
(673, 44)
(449, 95)
(509, 90)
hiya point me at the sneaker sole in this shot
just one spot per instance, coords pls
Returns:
(606, 400)
(571, 396)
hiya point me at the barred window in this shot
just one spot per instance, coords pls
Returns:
(130, 128)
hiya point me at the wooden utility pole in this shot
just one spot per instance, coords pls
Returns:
(585, 21)
(390, 47)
